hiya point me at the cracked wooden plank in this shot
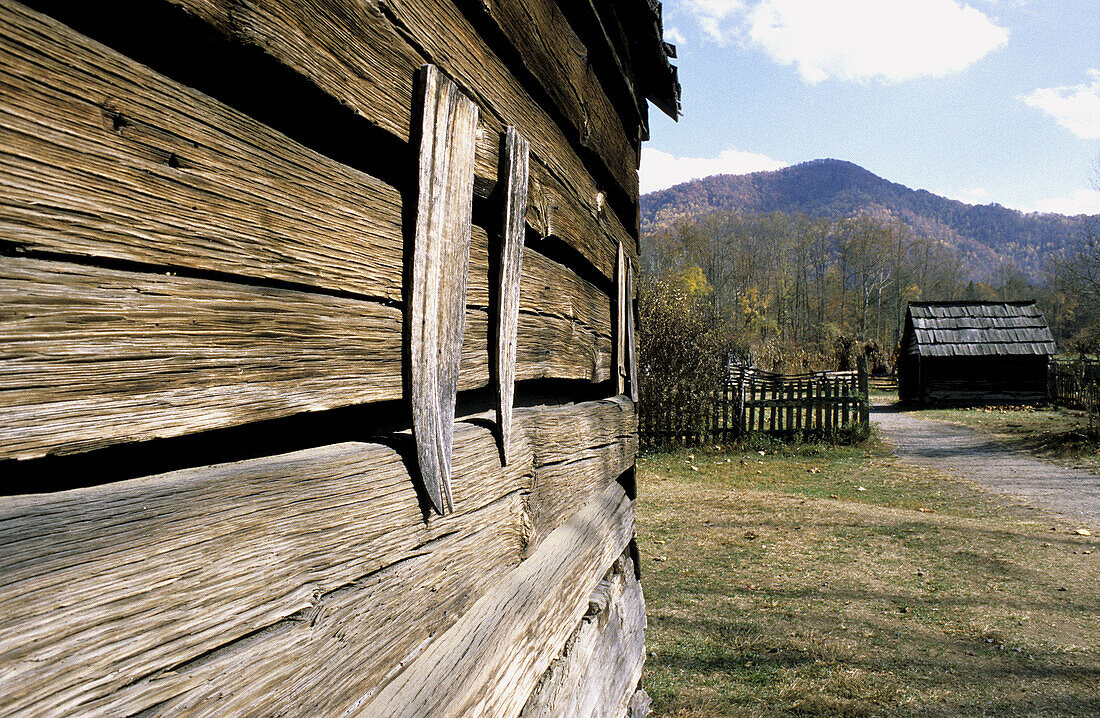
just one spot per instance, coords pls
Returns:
(515, 162)
(539, 32)
(319, 572)
(91, 357)
(365, 54)
(488, 663)
(440, 264)
(621, 311)
(597, 673)
(631, 351)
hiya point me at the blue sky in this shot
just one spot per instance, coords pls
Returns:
(978, 100)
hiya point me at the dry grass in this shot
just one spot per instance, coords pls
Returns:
(835, 582)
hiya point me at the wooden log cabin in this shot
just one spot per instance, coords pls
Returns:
(970, 353)
(316, 356)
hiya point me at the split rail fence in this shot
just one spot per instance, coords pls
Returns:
(752, 401)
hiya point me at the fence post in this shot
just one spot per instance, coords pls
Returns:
(740, 402)
(864, 394)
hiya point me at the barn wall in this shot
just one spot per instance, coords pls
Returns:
(214, 503)
(983, 380)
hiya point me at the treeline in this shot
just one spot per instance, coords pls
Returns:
(792, 290)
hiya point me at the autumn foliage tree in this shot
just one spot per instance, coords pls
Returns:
(681, 351)
(788, 287)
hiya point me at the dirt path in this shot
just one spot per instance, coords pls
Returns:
(979, 458)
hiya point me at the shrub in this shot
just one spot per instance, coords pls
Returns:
(681, 358)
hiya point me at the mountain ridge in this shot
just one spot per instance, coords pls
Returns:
(987, 236)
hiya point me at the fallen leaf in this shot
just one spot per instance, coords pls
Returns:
(861, 488)
(762, 453)
(1083, 532)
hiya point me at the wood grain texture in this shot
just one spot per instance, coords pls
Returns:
(608, 55)
(297, 584)
(640, 705)
(622, 298)
(631, 347)
(598, 670)
(90, 357)
(86, 136)
(365, 54)
(539, 32)
(515, 164)
(580, 461)
(491, 659)
(440, 264)
(91, 176)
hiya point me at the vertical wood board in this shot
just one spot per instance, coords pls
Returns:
(441, 258)
(514, 172)
(620, 320)
(631, 351)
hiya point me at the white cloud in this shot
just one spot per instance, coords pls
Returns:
(661, 169)
(1075, 107)
(1083, 201)
(872, 39)
(674, 36)
(856, 40)
(712, 16)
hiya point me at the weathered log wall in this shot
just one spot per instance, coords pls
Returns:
(266, 230)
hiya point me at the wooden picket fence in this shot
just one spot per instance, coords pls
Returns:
(1076, 384)
(752, 401)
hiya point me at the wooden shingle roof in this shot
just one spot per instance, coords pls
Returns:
(979, 329)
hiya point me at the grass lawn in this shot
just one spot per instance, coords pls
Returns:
(1049, 432)
(833, 581)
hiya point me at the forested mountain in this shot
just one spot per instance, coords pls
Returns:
(984, 235)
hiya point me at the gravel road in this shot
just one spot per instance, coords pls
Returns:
(973, 455)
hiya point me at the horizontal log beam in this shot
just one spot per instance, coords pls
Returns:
(366, 54)
(598, 672)
(164, 175)
(491, 659)
(296, 582)
(91, 357)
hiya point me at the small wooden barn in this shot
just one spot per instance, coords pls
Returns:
(316, 356)
(974, 353)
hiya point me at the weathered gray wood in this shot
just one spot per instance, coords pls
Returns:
(640, 705)
(440, 263)
(540, 33)
(300, 580)
(598, 670)
(488, 663)
(91, 357)
(360, 54)
(621, 298)
(85, 139)
(566, 471)
(516, 151)
(631, 353)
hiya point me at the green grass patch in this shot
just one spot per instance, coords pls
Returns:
(818, 580)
